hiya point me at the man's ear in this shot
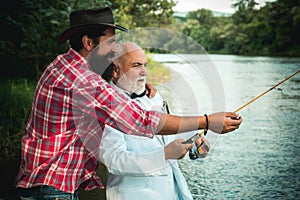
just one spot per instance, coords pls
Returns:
(116, 70)
(88, 43)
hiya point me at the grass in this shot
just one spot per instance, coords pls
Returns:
(157, 73)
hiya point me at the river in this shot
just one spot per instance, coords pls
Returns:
(260, 160)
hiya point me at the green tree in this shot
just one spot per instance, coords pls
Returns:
(203, 16)
(29, 38)
(244, 11)
(30, 29)
(198, 26)
(144, 13)
(283, 17)
(219, 34)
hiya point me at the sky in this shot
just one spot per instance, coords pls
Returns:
(214, 5)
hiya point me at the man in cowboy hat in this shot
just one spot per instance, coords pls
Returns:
(56, 159)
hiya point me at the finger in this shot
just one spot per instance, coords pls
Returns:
(151, 94)
(148, 93)
(235, 122)
(183, 154)
(232, 115)
(190, 146)
(151, 90)
(187, 146)
(180, 140)
(231, 128)
(199, 141)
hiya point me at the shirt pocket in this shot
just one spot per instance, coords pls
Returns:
(134, 183)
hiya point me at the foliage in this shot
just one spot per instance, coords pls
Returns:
(144, 13)
(270, 30)
(38, 24)
(15, 102)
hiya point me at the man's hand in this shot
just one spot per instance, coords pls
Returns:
(203, 147)
(176, 149)
(150, 90)
(224, 122)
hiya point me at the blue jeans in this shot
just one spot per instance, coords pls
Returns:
(45, 192)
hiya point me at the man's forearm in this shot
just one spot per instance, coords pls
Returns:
(221, 122)
(171, 124)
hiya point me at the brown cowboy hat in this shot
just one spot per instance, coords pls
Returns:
(89, 18)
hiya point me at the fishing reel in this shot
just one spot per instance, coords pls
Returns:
(200, 147)
(199, 150)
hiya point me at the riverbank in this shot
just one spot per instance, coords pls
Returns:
(157, 72)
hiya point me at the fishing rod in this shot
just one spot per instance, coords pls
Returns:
(265, 92)
(198, 135)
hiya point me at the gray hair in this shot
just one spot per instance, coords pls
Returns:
(125, 48)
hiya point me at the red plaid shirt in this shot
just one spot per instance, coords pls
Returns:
(71, 105)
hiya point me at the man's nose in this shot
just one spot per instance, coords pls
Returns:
(144, 71)
(114, 48)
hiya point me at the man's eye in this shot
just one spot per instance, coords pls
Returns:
(111, 41)
(140, 65)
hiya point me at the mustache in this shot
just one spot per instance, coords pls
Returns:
(110, 56)
(142, 78)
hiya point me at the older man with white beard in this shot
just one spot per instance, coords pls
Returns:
(138, 167)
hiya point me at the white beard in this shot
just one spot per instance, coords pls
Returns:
(130, 86)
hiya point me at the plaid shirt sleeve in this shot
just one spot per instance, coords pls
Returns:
(113, 108)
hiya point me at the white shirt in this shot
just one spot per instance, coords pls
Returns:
(137, 168)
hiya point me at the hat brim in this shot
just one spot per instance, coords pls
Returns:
(73, 30)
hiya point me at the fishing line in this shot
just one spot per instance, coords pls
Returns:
(198, 135)
(265, 92)
(260, 95)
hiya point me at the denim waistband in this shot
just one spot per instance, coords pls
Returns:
(45, 192)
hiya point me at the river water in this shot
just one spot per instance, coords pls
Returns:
(260, 160)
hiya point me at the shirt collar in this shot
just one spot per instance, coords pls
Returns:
(77, 57)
